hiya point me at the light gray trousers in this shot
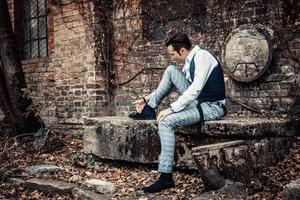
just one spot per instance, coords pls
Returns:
(173, 77)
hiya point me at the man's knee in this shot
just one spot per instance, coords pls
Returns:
(166, 123)
(171, 68)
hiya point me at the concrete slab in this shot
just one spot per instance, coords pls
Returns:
(239, 127)
(121, 138)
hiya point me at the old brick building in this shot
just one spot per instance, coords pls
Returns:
(91, 58)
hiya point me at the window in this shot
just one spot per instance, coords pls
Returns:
(164, 15)
(35, 31)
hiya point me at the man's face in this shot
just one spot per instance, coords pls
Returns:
(175, 55)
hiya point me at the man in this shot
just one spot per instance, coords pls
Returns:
(200, 84)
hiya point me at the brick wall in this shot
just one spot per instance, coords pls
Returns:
(65, 85)
(276, 91)
(78, 81)
(273, 91)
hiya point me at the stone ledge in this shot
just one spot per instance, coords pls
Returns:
(120, 138)
(239, 127)
(251, 127)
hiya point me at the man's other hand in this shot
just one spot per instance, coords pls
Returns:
(139, 105)
(163, 114)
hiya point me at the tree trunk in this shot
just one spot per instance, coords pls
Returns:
(12, 80)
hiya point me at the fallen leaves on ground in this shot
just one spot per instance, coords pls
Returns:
(127, 176)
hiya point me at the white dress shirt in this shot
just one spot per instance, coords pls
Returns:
(204, 65)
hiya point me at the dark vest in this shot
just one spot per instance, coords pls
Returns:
(214, 88)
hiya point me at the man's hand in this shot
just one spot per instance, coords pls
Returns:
(163, 114)
(139, 105)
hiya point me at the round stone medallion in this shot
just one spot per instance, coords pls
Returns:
(247, 54)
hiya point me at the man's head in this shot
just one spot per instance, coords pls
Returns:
(179, 46)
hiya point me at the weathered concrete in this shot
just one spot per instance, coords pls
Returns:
(251, 127)
(121, 138)
(42, 169)
(135, 141)
(101, 186)
(49, 186)
(240, 127)
(241, 159)
(292, 190)
(88, 195)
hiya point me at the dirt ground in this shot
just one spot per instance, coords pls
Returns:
(66, 151)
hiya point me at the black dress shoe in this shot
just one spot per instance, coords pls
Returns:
(165, 181)
(146, 114)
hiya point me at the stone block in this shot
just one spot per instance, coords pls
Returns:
(88, 195)
(122, 138)
(240, 159)
(42, 169)
(292, 190)
(101, 186)
(49, 186)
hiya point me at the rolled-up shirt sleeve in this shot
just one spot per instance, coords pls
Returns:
(203, 68)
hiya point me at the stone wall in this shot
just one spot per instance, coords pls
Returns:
(276, 91)
(77, 80)
(132, 54)
(65, 85)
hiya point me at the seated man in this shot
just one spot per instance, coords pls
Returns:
(201, 86)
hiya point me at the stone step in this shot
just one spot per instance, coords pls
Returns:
(52, 186)
(49, 186)
(42, 169)
(238, 127)
(240, 160)
(120, 138)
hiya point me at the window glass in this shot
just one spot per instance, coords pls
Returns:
(35, 30)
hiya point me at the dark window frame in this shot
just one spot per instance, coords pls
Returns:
(27, 22)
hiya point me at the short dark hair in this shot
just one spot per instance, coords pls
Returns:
(178, 41)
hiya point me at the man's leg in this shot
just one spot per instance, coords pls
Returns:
(166, 127)
(172, 77)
